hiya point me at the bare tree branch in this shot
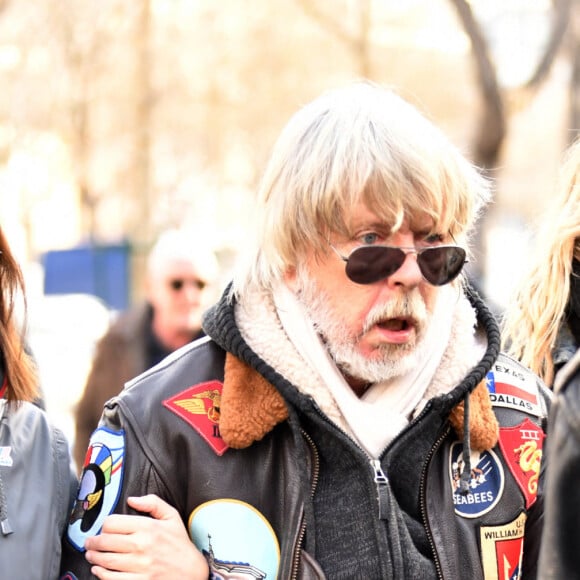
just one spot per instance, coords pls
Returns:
(492, 126)
(561, 12)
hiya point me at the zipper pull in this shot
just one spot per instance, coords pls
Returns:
(382, 488)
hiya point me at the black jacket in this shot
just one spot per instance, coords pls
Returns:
(560, 556)
(268, 485)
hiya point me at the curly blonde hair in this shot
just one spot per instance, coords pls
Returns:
(532, 321)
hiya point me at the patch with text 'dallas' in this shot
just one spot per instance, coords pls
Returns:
(509, 387)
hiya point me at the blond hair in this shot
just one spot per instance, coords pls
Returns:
(532, 322)
(359, 143)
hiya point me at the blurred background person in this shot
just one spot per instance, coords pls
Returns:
(542, 324)
(37, 483)
(181, 275)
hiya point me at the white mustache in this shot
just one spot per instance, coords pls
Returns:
(410, 306)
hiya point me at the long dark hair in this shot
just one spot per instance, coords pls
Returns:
(19, 368)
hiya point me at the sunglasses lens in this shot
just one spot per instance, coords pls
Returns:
(370, 264)
(441, 265)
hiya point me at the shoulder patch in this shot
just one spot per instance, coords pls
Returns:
(99, 486)
(510, 387)
(522, 449)
(199, 406)
(502, 549)
(236, 539)
(485, 484)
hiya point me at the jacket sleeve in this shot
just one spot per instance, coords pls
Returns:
(109, 371)
(560, 556)
(111, 474)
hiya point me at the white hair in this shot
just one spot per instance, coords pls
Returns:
(181, 244)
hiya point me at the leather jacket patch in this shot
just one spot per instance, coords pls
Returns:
(511, 388)
(522, 449)
(99, 487)
(486, 482)
(199, 406)
(236, 539)
(502, 549)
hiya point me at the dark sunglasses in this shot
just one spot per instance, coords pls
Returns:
(439, 265)
(177, 284)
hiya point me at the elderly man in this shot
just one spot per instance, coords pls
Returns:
(179, 278)
(349, 414)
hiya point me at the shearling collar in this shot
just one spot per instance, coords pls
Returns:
(251, 406)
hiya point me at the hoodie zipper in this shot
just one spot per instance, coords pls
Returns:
(423, 501)
(302, 531)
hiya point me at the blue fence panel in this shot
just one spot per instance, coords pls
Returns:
(103, 271)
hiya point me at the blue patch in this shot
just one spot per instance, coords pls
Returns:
(236, 539)
(485, 485)
(68, 576)
(99, 487)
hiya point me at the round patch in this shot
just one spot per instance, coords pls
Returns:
(485, 484)
(99, 486)
(236, 539)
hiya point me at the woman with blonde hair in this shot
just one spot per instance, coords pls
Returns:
(37, 483)
(542, 326)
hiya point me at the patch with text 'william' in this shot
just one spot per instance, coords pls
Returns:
(502, 549)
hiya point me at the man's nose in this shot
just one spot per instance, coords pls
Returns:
(409, 274)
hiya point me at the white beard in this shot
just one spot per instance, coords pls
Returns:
(391, 360)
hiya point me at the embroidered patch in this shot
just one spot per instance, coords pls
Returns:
(522, 449)
(502, 549)
(68, 576)
(199, 406)
(5, 459)
(485, 484)
(236, 539)
(510, 387)
(99, 487)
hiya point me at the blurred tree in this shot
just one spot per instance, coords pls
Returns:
(169, 107)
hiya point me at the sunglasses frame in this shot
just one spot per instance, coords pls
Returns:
(177, 284)
(405, 250)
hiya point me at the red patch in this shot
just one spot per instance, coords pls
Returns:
(199, 406)
(502, 549)
(522, 449)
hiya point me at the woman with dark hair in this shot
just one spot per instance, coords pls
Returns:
(37, 483)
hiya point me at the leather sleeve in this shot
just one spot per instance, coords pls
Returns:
(560, 556)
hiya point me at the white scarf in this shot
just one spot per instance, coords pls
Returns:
(289, 341)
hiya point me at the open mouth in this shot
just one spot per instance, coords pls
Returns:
(396, 324)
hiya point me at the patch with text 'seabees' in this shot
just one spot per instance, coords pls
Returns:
(199, 406)
(509, 387)
(486, 482)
